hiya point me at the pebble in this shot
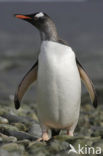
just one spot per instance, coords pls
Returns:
(3, 120)
(24, 142)
(10, 147)
(6, 138)
(8, 127)
(12, 139)
(20, 126)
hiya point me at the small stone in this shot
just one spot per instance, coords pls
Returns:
(21, 126)
(5, 138)
(24, 142)
(2, 111)
(36, 144)
(38, 149)
(7, 127)
(3, 120)
(35, 130)
(98, 131)
(4, 152)
(12, 139)
(58, 146)
(62, 137)
(10, 147)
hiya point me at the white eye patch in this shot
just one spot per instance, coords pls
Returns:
(39, 15)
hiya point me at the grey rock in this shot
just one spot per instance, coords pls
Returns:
(21, 126)
(7, 127)
(35, 130)
(13, 147)
(3, 120)
(37, 148)
(24, 142)
(6, 138)
(4, 152)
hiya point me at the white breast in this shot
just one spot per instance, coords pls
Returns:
(59, 86)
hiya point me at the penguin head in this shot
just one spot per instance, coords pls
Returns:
(40, 20)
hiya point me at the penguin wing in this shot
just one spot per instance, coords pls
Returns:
(28, 79)
(88, 83)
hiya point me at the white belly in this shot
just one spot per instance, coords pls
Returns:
(58, 86)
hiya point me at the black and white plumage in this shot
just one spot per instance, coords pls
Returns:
(58, 74)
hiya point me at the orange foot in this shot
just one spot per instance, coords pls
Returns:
(70, 133)
(44, 137)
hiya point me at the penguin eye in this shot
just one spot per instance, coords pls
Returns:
(36, 18)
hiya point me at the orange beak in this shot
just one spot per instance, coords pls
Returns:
(23, 17)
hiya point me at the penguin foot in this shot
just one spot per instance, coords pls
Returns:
(70, 133)
(44, 137)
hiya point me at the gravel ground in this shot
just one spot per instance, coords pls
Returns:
(20, 129)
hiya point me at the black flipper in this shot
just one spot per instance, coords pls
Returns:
(88, 83)
(28, 79)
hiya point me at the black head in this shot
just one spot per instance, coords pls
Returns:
(38, 19)
(43, 23)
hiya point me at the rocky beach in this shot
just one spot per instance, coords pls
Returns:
(20, 129)
(19, 42)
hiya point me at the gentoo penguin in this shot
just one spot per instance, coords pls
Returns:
(58, 75)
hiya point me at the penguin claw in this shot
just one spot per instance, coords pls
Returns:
(39, 140)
